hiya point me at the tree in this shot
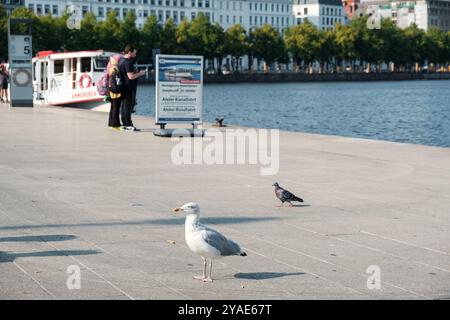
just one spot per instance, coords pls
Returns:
(395, 45)
(150, 37)
(236, 43)
(198, 35)
(345, 38)
(128, 33)
(3, 33)
(436, 46)
(182, 36)
(110, 33)
(87, 38)
(326, 48)
(368, 42)
(415, 38)
(215, 45)
(169, 45)
(303, 42)
(267, 44)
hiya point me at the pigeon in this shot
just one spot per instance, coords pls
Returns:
(219, 122)
(206, 242)
(284, 195)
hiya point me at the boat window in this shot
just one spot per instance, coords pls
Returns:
(85, 64)
(100, 63)
(58, 66)
(34, 70)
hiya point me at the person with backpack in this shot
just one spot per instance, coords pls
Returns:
(115, 88)
(130, 77)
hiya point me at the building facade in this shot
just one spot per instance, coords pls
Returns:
(249, 14)
(10, 5)
(424, 13)
(325, 14)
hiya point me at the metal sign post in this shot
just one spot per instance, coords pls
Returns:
(20, 62)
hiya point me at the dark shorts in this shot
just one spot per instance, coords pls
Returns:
(5, 85)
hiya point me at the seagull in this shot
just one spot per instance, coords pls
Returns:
(206, 242)
(284, 195)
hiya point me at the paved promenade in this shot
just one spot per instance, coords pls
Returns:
(74, 193)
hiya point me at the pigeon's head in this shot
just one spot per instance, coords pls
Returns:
(276, 185)
(188, 208)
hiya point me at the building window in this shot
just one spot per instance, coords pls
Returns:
(101, 12)
(55, 10)
(305, 11)
(47, 9)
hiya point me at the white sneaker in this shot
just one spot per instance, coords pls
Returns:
(129, 129)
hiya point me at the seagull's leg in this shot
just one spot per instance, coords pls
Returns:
(203, 277)
(290, 204)
(209, 279)
(280, 204)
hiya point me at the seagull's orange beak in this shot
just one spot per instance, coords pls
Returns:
(177, 209)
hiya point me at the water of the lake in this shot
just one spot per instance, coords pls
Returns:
(402, 111)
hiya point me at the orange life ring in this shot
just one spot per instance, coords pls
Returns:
(85, 81)
(18, 80)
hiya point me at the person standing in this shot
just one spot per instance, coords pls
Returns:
(130, 77)
(114, 92)
(4, 75)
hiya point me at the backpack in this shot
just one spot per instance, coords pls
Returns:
(116, 81)
(102, 84)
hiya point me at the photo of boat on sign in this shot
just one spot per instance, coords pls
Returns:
(179, 71)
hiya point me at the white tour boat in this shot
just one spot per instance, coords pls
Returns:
(69, 78)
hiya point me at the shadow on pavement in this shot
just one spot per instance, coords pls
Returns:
(41, 238)
(169, 222)
(266, 275)
(10, 257)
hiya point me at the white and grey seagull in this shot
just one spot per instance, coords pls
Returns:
(206, 242)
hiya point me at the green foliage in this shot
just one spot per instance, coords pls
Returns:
(3, 33)
(237, 42)
(267, 44)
